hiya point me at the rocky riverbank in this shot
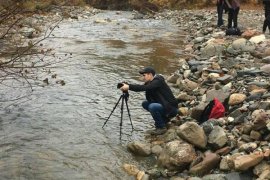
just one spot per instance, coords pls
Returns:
(213, 65)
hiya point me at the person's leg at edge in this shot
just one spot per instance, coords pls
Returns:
(265, 24)
(230, 18)
(220, 14)
(145, 105)
(157, 112)
(235, 17)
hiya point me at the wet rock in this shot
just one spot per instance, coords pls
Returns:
(183, 96)
(138, 148)
(266, 60)
(27, 32)
(259, 84)
(249, 33)
(131, 169)
(236, 113)
(173, 78)
(236, 98)
(265, 105)
(254, 96)
(156, 149)
(209, 162)
(268, 126)
(198, 40)
(212, 50)
(223, 151)
(255, 135)
(247, 127)
(257, 39)
(248, 147)
(245, 162)
(225, 79)
(188, 85)
(246, 138)
(240, 119)
(142, 176)
(154, 173)
(224, 164)
(177, 178)
(197, 111)
(193, 133)
(214, 177)
(265, 68)
(183, 111)
(242, 45)
(259, 119)
(177, 155)
(209, 125)
(212, 77)
(238, 176)
(249, 72)
(217, 138)
(262, 170)
(219, 94)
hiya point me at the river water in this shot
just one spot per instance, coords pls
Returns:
(56, 133)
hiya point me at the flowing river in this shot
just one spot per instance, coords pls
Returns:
(57, 132)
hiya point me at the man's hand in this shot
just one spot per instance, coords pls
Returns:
(125, 87)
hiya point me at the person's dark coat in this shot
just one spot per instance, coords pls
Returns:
(157, 91)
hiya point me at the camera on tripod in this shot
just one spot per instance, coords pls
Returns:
(119, 85)
(124, 99)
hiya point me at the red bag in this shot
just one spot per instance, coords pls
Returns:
(218, 110)
(215, 109)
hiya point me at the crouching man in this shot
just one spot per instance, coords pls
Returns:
(160, 101)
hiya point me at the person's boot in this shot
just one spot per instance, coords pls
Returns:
(157, 131)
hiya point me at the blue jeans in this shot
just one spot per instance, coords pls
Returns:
(158, 113)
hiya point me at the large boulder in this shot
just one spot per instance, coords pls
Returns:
(138, 148)
(217, 138)
(212, 50)
(177, 155)
(209, 162)
(237, 98)
(193, 133)
(244, 162)
(241, 45)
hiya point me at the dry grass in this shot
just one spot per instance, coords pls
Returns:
(33, 5)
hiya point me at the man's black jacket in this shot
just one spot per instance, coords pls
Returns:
(157, 91)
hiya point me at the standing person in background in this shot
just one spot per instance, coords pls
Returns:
(234, 8)
(266, 22)
(220, 8)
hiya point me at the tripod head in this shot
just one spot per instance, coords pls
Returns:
(125, 95)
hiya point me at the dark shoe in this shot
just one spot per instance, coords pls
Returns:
(157, 131)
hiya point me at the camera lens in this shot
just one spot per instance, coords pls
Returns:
(119, 85)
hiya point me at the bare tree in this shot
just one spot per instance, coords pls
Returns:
(23, 57)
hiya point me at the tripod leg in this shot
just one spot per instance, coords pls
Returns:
(121, 122)
(126, 100)
(112, 111)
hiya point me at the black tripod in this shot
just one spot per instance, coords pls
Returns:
(123, 97)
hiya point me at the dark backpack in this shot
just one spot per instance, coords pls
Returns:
(233, 31)
(215, 109)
